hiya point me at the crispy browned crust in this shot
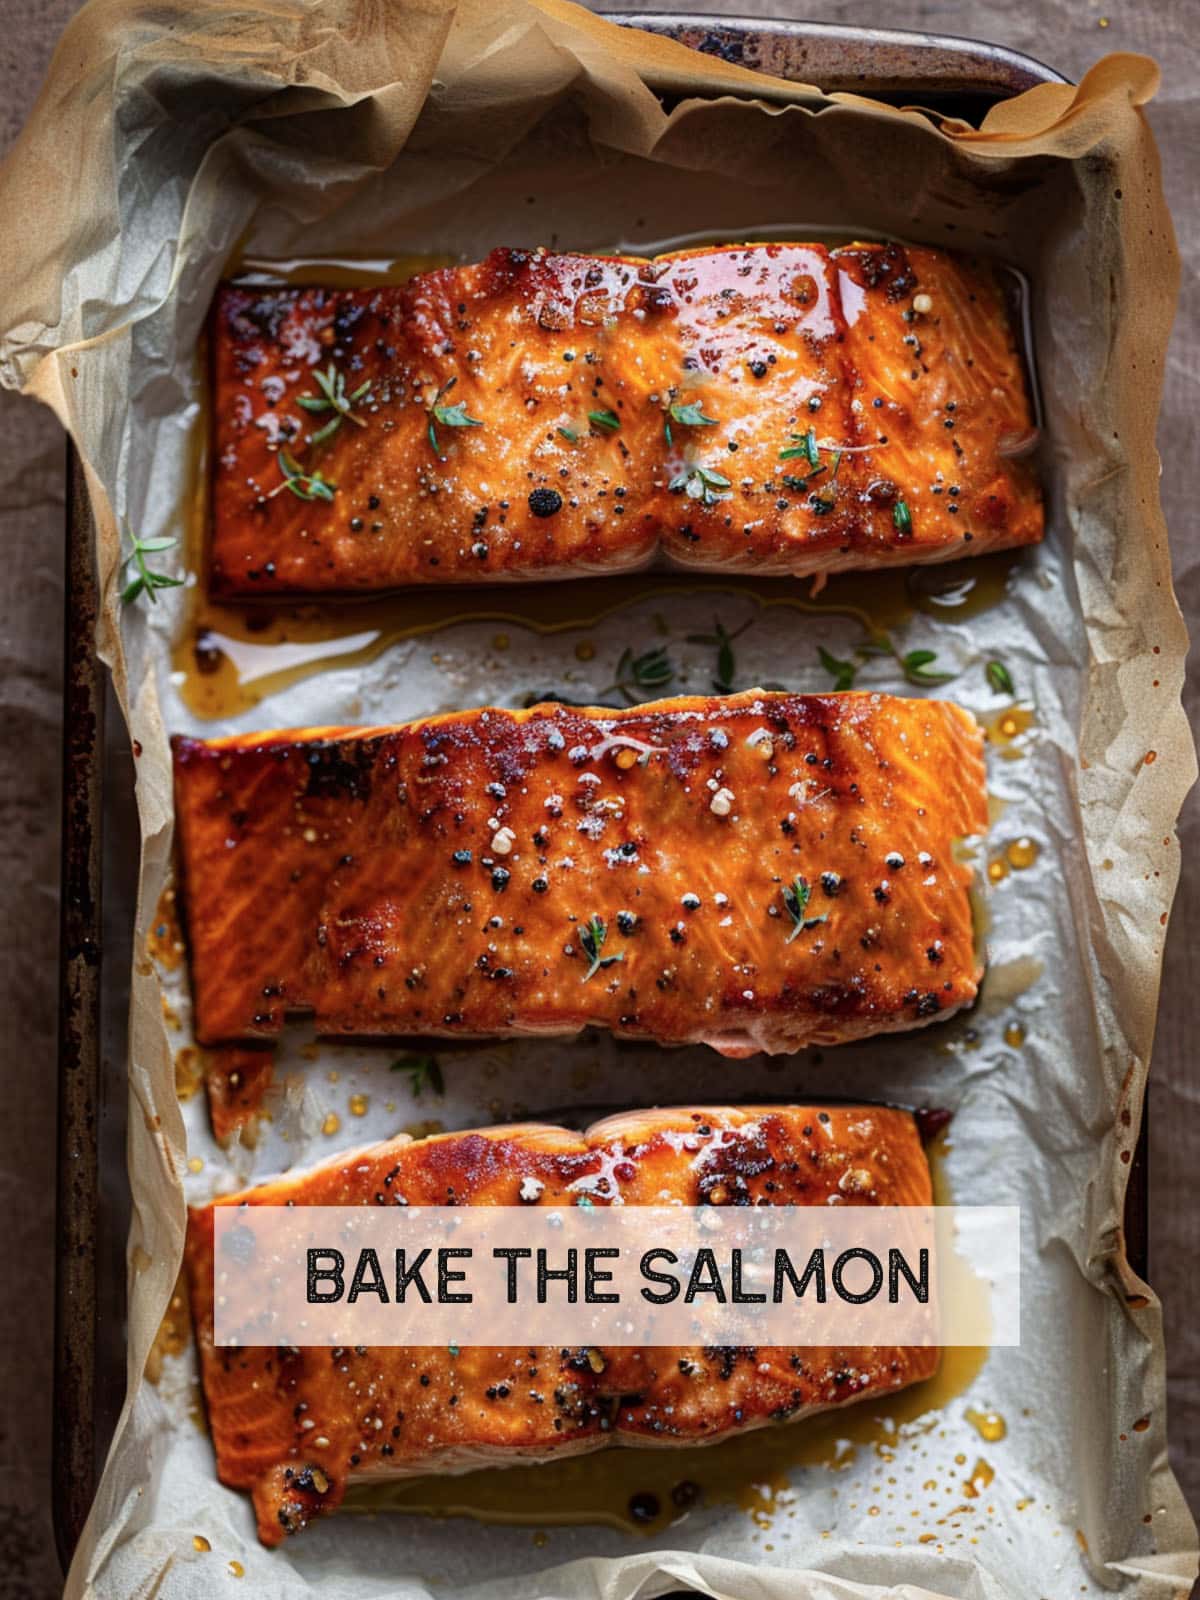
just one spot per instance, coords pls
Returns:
(295, 1427)
(928, 406)
(440, 878)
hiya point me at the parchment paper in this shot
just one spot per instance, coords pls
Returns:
(168, 136)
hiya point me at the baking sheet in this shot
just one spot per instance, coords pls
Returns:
(539, 113)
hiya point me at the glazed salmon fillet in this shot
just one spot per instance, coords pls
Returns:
(757, 872)
(771, 408)
(294, 1427)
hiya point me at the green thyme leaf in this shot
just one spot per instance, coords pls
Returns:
(843, 673)
(915, 664)
(608, 420)
(455, 416)
(692, 415)
(796, 896)
(423, 1072)
(701, 483)
(569, 434)
(902, 517)
(1000, 678)
(591, 937)
(803, 444)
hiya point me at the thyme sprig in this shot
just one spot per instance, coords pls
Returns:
(423, 1072)
(914, 664)
(722, 641)
(796, 896)
(145, 579)
(455, 416)
(333, 397)
(592, 935)
(304, 485)
(642, 675)
(701, 483)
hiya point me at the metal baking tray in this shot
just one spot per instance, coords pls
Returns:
(950, 76)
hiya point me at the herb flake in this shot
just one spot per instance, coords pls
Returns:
(1000, 678)
(455, 416)
(843, 673)
(304, 485)
(591, 937)
(796, 896)
(145, 579)
(423, 1072)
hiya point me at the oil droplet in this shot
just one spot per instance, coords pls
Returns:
(199, 1542)
(1022, 853)
(585, 650)
(997, 870)
(333, 1077)
(1008, 725)
(358, 1105)
(1023, 1503)
(1150, 757)
(1014, 1035)
(236, 1569)
(173, 1333)
(189, 1072)
(1141, 1425)
(960, 1460)
(331, 1124)
(540, 1540)
(982, 1474)
(195, 1164)
(989, 1425)
(501, 642)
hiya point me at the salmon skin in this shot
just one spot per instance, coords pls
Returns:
(757, 872)
(295, 1426)
(772, 408)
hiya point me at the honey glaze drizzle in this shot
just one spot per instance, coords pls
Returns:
(645, 1491)
(227, 658)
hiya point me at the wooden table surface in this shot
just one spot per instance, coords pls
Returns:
(1068, 34)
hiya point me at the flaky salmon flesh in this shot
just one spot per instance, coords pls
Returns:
(757, 872)
(770, 408)
(296, 1426)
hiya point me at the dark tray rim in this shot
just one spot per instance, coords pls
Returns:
(943, 70)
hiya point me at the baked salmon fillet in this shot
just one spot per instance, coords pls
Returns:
(296, 1426)
(757, 872)
(771, 408)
